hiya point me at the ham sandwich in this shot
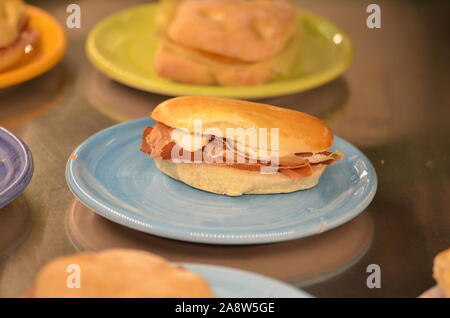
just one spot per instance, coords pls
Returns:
(158, 143)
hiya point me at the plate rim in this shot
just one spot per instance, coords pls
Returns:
(250, 274)
(292, 86)
(170, 232)
(16, 76)
(19, 184)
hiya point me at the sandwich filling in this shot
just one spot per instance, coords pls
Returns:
(159, 143)
(27, 36)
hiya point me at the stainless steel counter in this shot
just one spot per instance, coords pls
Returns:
(393, 103)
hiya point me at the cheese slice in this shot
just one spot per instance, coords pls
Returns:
(189, 141)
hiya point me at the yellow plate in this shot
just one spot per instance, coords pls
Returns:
(49, 50)
(122, 47)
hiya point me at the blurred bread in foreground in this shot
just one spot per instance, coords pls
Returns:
(441, 272)
(225, 42)
(119, 273)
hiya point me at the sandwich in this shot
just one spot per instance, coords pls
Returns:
(225, 42)
(235, 147)
(441, 272)
(17, 37)
(117, 273)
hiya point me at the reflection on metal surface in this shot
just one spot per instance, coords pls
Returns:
(118, 101)
(301, 261)
(42, 93)
(15, 225)
(123, 103)
(325, 102)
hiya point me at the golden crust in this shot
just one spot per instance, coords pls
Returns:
(249, 31)
(119, 273)
(201, 69)
(441, 272)
(298, 132)
(235, 182)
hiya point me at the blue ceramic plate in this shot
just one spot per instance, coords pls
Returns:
(16, 166)
(233, 283)
(110, 175)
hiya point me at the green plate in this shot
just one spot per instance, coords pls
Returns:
(122, 47)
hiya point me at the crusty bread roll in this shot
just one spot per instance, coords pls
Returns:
(299, 132)
(235, 182)
(228, 153)
(249, 31)
(206, 69)
(225, 42)
(15, 33)
(12, 20)
(441, 272)
(119, 273)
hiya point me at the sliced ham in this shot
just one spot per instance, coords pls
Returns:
(157, 142)
(297, 174)
(292, 162)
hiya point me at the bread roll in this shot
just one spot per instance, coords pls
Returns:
(298, 132)
(234, 147)
(441, 272)
(249, 31)
(226, 42)
(16, 36)
(118, 273)
(235, 182)
(200, 68)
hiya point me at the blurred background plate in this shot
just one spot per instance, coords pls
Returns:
(110, 175)
(123, 47)
(233, 283)
(16, 166)
(48, 51)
